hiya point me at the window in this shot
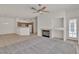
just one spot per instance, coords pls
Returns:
(73, 28)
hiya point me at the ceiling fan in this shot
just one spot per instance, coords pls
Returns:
(41, 9)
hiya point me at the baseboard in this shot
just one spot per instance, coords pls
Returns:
(8, 34)
(58, 38)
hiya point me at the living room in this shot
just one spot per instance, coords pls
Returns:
(21, 23)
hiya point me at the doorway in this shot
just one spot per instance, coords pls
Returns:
(34, 20)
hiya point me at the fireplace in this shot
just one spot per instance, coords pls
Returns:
(46, 33)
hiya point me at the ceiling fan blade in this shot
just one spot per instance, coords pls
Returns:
(42, 9)
(33, 8)
(39, 4)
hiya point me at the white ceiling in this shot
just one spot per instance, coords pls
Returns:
(63, 7)
(23, 10)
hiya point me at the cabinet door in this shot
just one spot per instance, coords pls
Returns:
(73, 28)
(30, 28)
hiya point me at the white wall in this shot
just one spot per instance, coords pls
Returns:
(9, 13)
(16, 10)
(49, 21)
(44, 22)
(67, 15)
(34, 20)
(70, 15)
(7, 25)
(55, 23)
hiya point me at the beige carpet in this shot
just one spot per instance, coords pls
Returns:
(12, 39)
(34, 45)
